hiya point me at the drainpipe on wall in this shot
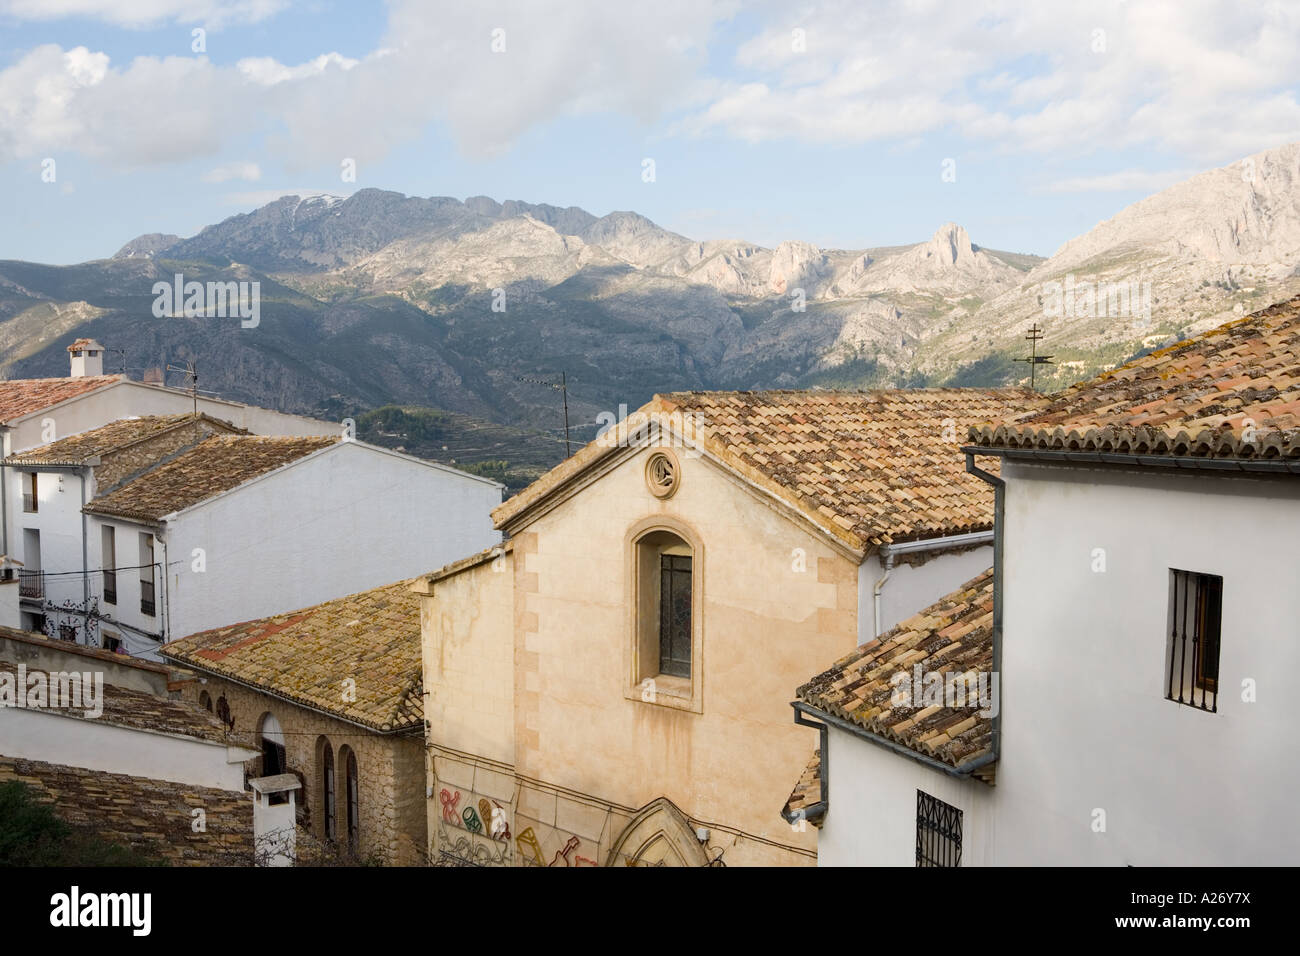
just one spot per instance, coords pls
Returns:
(85, 562)
(887, 557)
(999, 534)
(4, 509)
(888, 552)
(817, 811)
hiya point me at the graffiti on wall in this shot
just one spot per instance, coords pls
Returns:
(449, 801)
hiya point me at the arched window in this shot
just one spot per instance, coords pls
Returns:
(666, 564)
(272, 736)
(665, 604)
(352, 795)
(328, 789)
(205, 701)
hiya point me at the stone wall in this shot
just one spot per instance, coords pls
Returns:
(134, 459)
(390, 771)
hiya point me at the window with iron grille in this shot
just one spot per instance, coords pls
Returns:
(1195, 622)
(675, 615)
(938, 832)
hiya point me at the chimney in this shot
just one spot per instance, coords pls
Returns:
(87, 358)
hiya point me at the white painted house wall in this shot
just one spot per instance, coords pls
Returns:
(1086, 726)
(346, 519)
(95, 744)
(128, 399)
(871, 820)
(58, 521)
(914, 588)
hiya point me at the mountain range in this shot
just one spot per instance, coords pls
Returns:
(475, 306)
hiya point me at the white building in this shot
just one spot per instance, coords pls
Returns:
(37, 411)
(1141, 625)
(97, 736)
(181, 525)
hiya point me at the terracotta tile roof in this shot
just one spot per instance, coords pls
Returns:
(152, 816)
(22, 396)
(115, 436)
(953, 637)
(215, 465)
(870, 467)
(1191, 399)
(140, 710)
(373, 638)
(807, 793)
(82, 344)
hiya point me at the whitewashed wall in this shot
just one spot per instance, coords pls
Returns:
(99, 745)
(126, 399)
(912, 589)
(1086, 726)
(872, 800)
(350, 519)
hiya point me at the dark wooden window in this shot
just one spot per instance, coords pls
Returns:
(675, 615)
(205, 701)
(938, 832)
(1196, 621)
(354, 808)
(147, 603)
(30, 502)
(108, 547)
(329, 794)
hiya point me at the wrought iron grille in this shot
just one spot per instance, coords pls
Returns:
(1196, 618)
(938, 832)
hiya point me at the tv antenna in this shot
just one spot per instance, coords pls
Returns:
(563, 389)
(1034, 335)
(193, 375)
(121, 352)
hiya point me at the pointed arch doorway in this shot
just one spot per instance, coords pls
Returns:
(659, 835)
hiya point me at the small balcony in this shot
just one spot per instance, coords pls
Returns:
(30, 504)
(31, 584)
(147, 598)
(110, 587)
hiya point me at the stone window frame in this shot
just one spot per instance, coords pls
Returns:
(640, 667)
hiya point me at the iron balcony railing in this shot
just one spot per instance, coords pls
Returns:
(110, 587)
(29, 502)
(146, 598)
(31, 584)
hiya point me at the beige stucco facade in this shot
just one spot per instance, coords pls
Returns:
(390, 770)
(539, 718)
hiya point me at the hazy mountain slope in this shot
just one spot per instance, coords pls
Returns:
(383, 298)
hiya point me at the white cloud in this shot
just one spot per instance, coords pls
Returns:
(1209, 79)
(246, 171)
(141, 13)
(267, 71)
(1204, 80)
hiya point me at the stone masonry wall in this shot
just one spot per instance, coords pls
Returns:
(390, 771)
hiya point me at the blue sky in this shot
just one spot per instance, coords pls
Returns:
(828, 122)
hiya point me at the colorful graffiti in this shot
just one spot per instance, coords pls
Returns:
(472, 823)
(528, 841)
(495, 816)
(569, 847)
(449, 801)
